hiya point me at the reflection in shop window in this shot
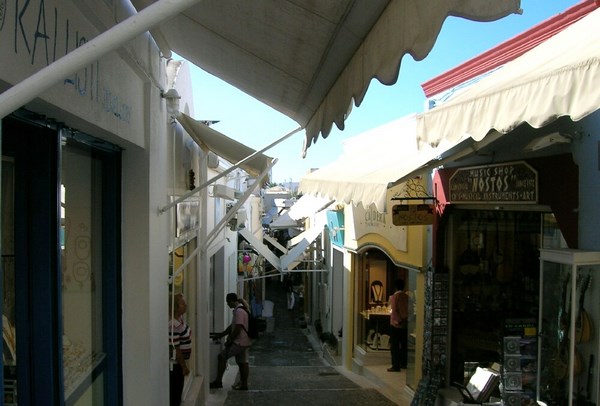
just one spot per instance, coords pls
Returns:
(82, 290)
(9, 334)
(183, 281)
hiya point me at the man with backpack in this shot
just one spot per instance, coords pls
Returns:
(237, 344)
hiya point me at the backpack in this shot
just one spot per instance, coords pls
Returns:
(252, 325)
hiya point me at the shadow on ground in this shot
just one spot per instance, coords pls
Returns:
(287, 366)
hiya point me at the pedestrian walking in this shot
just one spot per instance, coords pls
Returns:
(289, 290)
(237, 344)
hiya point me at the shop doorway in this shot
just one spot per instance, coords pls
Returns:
(492, 259)
(375, 283)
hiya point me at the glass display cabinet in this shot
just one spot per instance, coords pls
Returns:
(569, 283)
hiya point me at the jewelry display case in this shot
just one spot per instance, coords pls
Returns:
(568, 306)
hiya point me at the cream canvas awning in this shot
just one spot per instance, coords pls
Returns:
(306, 59)
(310, 60)
(305, 207)
(559, 77)
(289, 259)
(370, 163)
(223, 146)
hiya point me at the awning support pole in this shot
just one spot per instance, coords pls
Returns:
(262, 277)
(28, 89)
(283, 272)
(189, 258)
(217, 228)
(227, 171)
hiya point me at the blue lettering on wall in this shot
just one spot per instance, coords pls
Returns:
(32, 27)
(113, 104)
(41, 21)
(19, 24)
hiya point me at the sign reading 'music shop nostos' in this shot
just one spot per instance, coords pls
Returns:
(512, 182)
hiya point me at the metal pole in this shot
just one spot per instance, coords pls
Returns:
(226, 172)
(185, 263)
(25, 91)
(236, 206)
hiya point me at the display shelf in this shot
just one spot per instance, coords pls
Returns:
(519, 366)
(564, 277)
(380, 339)
(572, 257)
(367, 314)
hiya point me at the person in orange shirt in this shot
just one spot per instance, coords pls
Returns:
(399, 327)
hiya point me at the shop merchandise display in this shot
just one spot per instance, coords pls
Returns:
(10, 343)
(78, 364)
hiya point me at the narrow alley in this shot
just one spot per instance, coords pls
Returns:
(287, 367)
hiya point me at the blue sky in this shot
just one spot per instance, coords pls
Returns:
(257, 125)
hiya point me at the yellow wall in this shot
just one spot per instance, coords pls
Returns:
(415, 254)
(365, 226)
(349, 311)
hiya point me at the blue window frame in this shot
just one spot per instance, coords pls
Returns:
(60, 265)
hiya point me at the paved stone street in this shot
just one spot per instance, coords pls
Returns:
(287, 367)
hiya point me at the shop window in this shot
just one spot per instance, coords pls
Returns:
(376, 279)
(184, 283)
(87, 258)
(60, 252)
(9, 355)
(379, 275)
(82, 288)
(552, 237)
(494, 258)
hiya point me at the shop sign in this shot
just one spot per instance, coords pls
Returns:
(105, 91)
(514, 182)
(377, 224)
(412, 214)
(335, 222)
